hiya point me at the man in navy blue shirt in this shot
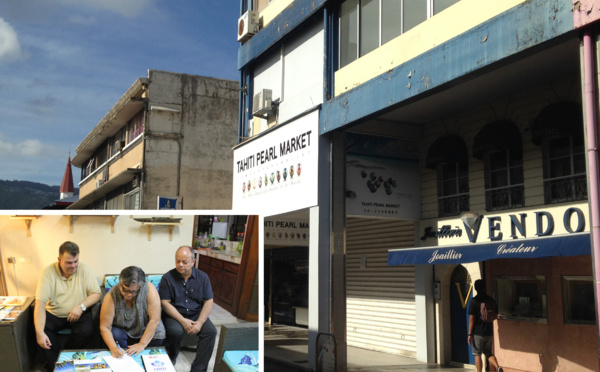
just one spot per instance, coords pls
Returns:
(481, 333)
(187, 298)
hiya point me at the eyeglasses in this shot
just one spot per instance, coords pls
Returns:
(128, 291)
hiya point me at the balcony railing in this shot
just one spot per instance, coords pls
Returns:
(453, 205)
(505, 198)
(565, 189)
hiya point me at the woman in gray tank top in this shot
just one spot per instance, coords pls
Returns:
(130, 315)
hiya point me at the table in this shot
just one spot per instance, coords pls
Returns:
(17, 340)
(66, 356)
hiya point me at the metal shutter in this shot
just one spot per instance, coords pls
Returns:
(380, 299)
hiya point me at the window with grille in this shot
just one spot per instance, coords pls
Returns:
(504, 186)
(453, 188)
(559, 130)
(564, 169)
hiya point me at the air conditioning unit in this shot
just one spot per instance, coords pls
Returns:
(99, 183)
(248, 25)
(262, 102)
(119, 145)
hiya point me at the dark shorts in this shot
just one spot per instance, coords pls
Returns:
(482, 345)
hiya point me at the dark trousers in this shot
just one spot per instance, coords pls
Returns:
(124, 340)
(204, 348)
(82, 332)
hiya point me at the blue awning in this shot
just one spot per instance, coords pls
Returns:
(564, 245)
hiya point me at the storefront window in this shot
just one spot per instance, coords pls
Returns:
(522, 297)
(578, 299)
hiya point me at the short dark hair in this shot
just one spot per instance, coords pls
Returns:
(480, 286)
(69, 247)
(132, 275)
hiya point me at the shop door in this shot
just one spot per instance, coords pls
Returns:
(461, 292)
(289, 285)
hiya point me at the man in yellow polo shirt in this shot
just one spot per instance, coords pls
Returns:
(66, 290)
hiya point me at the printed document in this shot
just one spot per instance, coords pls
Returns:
(123, 364)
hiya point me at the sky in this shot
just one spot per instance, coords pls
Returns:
(65, 63)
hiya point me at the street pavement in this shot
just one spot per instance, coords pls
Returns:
(286, 350)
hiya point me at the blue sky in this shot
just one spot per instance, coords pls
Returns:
(65, 63)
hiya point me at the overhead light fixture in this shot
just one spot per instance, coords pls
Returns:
(164, 108)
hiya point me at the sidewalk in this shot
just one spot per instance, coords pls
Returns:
(286, 349)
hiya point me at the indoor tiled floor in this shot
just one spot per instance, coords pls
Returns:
(218, 316)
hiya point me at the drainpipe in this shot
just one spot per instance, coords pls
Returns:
(592, 149)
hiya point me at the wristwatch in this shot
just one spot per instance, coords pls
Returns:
(82, 307)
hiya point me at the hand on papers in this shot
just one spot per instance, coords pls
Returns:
(43, 341)
(117, 352)
(134, 349)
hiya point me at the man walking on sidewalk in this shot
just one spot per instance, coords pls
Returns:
(483, 310)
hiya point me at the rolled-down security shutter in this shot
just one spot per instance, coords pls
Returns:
(380, 298)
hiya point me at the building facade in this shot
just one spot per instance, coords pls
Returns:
(439, 142)
(168, 138)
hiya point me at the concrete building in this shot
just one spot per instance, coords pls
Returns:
(169, 137)
(439, 142)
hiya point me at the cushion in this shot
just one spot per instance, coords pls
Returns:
(241, 360)
(112, 280)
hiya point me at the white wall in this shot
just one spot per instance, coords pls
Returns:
(105, 252)
(294, 73)
(303, 73)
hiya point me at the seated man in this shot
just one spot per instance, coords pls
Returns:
(66, 290)
(130, 315)
(186, 297)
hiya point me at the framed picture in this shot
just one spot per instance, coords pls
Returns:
(168, 202)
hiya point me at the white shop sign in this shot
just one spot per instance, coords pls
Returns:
(287, 232)
(381, 187)
(278, 172)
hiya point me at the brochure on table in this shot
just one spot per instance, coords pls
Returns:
(125, 363)
(69, 359)
(96, 365)
(12, 314)
(158, 363)
(13, 300)
(4, 312)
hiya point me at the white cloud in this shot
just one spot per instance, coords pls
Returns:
(10, 48)
(29, 148)
(129, 8)
(55, 50)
